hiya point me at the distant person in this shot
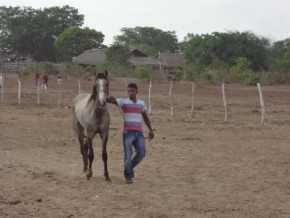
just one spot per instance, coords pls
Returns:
(59, 82)
(45, 77)
(43, 83)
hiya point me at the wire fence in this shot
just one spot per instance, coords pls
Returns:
(243, 103)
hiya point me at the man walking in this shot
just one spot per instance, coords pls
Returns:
(133, 111)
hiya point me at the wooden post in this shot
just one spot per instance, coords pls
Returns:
(262, 103)
(79, 86)
(59, 96)
(59, 83)
(171, 101)
(149, 97)
(2, 88)
(38, 95)
(19, 91)
(192, 99)
(225, 102)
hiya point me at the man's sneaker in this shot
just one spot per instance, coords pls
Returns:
(129, 181)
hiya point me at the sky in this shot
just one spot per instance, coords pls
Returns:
(265, 18)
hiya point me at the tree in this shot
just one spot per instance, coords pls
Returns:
(204, 50)
(277, 54)
(75, 40)
(28, 32)
(284, 63)
(156, 38)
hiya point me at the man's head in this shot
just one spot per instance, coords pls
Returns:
(132, 91)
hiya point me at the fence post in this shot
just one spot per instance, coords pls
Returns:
(149, 97)
(192, 99)
(171, 101)
(225, 102)
(79, 83)
(262, 103)
(38, 96)
(2, 89)
(19, 91)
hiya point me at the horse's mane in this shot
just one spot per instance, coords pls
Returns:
(94, 91)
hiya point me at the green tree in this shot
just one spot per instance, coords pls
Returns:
(75, 40)
(204, 50)
(31, 32)
(156, 38)
(240, 70)
(144, 73)
(278, 54)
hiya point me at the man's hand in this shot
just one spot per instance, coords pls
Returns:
(150, 135)
(112, 99)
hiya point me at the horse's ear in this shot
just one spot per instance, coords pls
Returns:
(106, 73)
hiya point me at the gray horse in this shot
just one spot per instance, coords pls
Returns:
(91, 116)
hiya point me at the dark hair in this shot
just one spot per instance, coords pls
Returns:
(132, 85)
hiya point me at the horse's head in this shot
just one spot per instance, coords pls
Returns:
(101, 88)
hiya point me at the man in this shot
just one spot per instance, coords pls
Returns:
(133, 111)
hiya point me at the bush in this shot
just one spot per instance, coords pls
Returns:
(144, 73)
(252, 79)
(175, 75)
(88, 72)
(48, 68)
(27, 70)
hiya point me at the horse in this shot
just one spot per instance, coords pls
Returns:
(90, 117)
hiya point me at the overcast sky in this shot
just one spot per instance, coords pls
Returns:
(268, 18)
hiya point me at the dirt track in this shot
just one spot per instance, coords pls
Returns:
(195, 167)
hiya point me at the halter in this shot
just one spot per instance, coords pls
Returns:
(101, 80)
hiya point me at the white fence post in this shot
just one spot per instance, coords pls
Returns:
(2, 87)
(59, 96)
(262, 103)
(149, 97)
(192, 99)
(79, 86)
(225, 102)
(38, 95)
(171, 101)
(19, 91)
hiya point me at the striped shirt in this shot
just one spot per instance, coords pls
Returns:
(132, 113)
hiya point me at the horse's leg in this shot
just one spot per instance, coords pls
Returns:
(89, 142)
(104, 137)
(83, 146)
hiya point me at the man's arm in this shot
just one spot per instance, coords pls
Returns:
(148, 124)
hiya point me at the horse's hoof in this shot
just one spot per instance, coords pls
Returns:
(89, 174)
(108, 179)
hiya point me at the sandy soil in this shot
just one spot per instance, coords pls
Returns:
(196, 166)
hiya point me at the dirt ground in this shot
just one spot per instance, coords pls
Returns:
(196, 166)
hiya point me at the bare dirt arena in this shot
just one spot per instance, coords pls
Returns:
(195, 167)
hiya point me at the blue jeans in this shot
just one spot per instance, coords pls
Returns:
(136, 139)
